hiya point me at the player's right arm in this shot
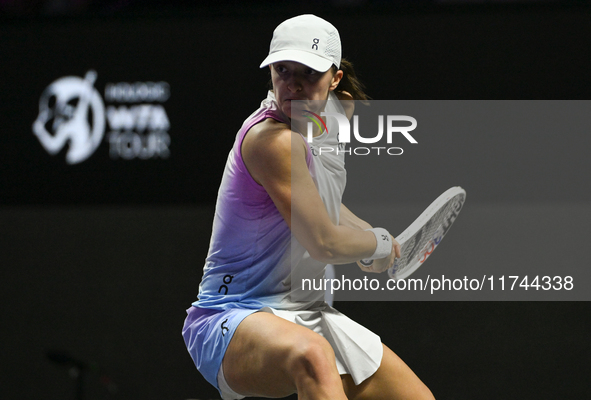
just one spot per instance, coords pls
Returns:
(276, 159)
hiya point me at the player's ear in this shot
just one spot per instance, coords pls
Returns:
(336, 79)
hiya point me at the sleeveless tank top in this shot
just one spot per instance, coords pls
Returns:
(253, 259)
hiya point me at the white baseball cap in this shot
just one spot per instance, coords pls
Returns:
(306, 39)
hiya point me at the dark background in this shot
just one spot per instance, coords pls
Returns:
(100, 259)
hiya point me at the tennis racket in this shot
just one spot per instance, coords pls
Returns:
(422, 237)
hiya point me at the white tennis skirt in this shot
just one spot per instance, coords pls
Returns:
(207, 334)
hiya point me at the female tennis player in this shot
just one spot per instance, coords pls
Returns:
(254, 330)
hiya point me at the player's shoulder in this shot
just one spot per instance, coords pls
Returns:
(271, 134)
(270, 129)
(268, 153)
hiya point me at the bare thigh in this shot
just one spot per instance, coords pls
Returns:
(393, 380)
(269, 356)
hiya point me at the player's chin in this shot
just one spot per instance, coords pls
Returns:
(286, 108)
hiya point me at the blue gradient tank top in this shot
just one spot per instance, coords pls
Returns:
(252, 251)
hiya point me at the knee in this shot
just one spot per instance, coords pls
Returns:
(312, 357)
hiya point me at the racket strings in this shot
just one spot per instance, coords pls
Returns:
(419, 246)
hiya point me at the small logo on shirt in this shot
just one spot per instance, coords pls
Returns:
(227, 280)
(224, 328)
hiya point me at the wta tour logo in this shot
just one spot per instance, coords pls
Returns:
(344, 132)
(72, 113)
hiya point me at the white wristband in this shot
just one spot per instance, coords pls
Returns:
(384, 247)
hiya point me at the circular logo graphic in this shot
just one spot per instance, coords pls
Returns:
(71, 111)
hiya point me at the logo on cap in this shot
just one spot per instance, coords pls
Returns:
(315, 45)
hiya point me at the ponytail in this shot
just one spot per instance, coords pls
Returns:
(350, 83)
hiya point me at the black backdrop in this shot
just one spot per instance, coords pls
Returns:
(210, 62)
(101, 258)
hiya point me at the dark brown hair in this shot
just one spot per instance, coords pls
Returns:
(350, 83)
